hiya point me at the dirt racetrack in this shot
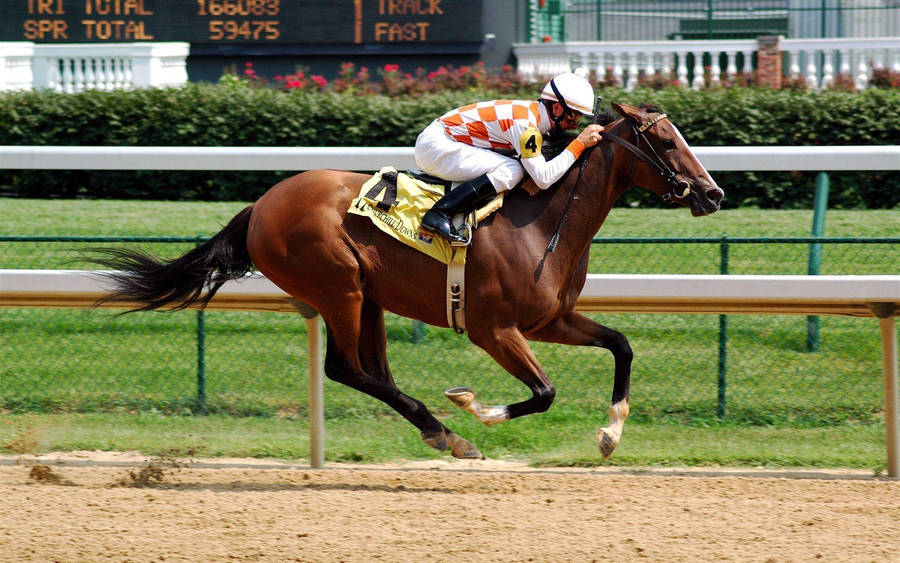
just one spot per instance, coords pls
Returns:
(120, 507)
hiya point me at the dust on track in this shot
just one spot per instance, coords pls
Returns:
(124, 507)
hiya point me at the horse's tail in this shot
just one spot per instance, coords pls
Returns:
(139, 278)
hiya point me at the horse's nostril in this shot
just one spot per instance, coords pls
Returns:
(715, 195)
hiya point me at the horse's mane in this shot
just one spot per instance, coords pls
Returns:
(555, 144)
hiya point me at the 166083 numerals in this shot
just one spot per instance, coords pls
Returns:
(230, 29)
(238, 7)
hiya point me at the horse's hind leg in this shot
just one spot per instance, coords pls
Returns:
(509, 348)
(578, 330)
(343, 363)
(374, 362)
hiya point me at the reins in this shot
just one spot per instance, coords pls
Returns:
(573, 194)
(680, 188)
(572, 197)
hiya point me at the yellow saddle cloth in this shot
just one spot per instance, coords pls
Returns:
(396, 203)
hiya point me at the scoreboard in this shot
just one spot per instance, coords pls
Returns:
(262, 22)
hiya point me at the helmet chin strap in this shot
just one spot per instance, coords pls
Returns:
(557, 120)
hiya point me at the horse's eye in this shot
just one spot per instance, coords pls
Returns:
(668, 144)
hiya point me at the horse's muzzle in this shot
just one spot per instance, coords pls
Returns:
(706, 200)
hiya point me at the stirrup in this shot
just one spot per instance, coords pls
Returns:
(464, 231)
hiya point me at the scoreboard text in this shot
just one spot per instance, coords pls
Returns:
(242, 21)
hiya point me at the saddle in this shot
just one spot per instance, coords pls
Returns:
(395, 202)
(430, 180)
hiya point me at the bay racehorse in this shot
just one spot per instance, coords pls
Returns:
(301, 237)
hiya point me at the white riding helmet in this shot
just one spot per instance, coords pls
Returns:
(572, 91)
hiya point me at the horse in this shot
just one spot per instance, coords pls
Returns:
(519, 288)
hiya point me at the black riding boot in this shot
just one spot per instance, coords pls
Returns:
(464, 198)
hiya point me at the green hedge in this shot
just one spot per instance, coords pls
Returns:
(238, 115)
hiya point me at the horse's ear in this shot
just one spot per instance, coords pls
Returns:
(628, 112)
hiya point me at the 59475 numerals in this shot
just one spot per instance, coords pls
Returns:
(230, 29)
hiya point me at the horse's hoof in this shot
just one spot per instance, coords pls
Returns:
(437, 440)
(607, 442)
(461, 448)
(462, 397)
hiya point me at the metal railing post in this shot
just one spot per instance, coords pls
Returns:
(820, 206)
(891, 390)
(316, 393)
(201, 353)
(201, 363)
(723, 335)
(316, 384)
(599, 21)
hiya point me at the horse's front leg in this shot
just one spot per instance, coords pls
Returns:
(510, 349)
(578, 330)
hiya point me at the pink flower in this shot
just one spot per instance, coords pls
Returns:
(391, 68)
(320, 80)
(279, 78)
(293, 84)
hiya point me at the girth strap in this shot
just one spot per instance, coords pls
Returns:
(456, 296)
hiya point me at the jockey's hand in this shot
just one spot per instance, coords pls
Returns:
(590, 135)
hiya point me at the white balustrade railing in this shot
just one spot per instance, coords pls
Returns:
(74, 67)
(15, 65)
(627, 60)
(817, 60)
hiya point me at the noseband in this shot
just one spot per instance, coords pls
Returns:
(680, 188)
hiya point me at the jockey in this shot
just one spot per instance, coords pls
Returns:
(489, 145)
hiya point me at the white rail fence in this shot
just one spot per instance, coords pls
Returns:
(872, 296)
(818, 61)
(756, 158)
(74, 67)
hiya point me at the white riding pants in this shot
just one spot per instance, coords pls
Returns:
(439, 155)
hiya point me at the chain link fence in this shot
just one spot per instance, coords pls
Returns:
(630, 20)
(742, 368)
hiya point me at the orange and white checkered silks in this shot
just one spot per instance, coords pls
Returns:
(483, 138)
(496, 125)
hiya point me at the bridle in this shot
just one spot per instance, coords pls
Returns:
(680, 188)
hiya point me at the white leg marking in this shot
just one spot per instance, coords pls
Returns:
(609, 437)
(464, 398)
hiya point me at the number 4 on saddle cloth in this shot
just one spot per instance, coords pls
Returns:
(396, 202)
